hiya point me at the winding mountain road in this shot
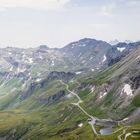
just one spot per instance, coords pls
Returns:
(120, 136)
(126, 135)
(92, 119)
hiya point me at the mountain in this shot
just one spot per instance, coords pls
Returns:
(114, 42)
(77, 56)
(87, 90)
(88, 53)
(117, 52)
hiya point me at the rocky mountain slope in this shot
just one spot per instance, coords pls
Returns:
(70, 93)
(83, 54)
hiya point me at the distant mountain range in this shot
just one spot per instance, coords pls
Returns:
(85, 54)
(115, 42)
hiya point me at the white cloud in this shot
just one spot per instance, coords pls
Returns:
(39, 4)
(107, 10)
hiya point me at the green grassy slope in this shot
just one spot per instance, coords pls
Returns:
(31, 120)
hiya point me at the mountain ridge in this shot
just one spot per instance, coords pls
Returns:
(50, 94)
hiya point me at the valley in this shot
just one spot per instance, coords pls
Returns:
(87, 90)
(92, 121)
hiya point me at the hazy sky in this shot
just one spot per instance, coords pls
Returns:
(29, 23)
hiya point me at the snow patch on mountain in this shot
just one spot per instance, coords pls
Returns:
(30, 60)
(11, 69)
(92, 89)
(103, 94)
(52, 63)
(38, 80)
(80, 125)
(78, 72)
(20, 69)
(104, 59)
(121, 49)
(127, 90)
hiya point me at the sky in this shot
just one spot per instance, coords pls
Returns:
(30, 23)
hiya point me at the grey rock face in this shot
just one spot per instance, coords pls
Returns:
(55, 97)
(60, 76)
(51, 77)
(136, 82)
(114, 55)
(27, 93)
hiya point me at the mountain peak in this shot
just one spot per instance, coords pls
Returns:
(114, 42)
(43, 47)
(87, 39)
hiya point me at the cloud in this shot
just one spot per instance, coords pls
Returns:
(107, 10)
(36, 4)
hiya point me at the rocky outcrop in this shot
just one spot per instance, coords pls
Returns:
(27, 93)
(22, 75)
(83, 86)
(55, 97)
(42, 49)
(11, 61)
(51, 77)
(136, 82)
(106, 122)
(114, 55)
(60, 76)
